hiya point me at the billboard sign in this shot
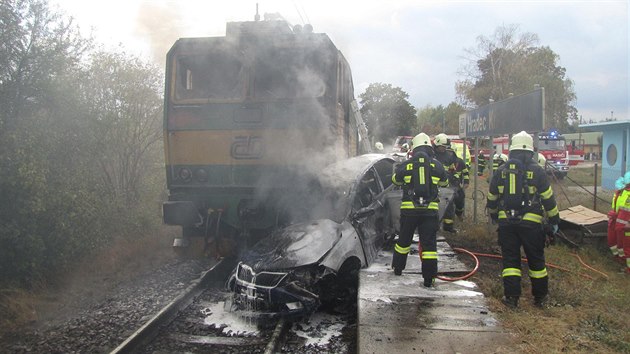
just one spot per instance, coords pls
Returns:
(523, 112)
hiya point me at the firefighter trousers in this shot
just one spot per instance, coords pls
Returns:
(449, 214)
(620, 235)
(460, 201)
(532, 238)
(427, 226)
(611, 236)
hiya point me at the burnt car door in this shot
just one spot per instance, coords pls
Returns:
(370, 216)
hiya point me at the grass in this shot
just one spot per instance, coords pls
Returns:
(586, 310)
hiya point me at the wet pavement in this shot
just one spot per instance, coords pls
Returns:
(397, 314)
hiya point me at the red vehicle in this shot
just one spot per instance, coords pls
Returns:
(576, 151)
(551, 144)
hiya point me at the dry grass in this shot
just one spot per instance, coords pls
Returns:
(586, 311)
(88, 279)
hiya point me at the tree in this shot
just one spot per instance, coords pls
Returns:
(435, 120)
(123, 100)
(431, 120)
(387, 112)
(509, 63)
(80, 144)
(38, 47)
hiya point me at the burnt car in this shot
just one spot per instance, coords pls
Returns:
(316, 261)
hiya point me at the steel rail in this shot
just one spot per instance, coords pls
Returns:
(150, 329)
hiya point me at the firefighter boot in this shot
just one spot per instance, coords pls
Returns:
(510, 301)
(397, 271)
(428, 283)
(540, 301)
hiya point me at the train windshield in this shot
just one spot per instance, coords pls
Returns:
(217, 75)
(552, 144)
(292, 73)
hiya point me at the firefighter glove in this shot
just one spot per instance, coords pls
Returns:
(550, 234)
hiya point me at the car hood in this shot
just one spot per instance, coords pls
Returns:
(294, 246)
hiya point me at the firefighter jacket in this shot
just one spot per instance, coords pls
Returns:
(533, 194)
(420, 178)
(618, 200)
(622, 207)
(460, 174)
(496, 163)
(481, 160)
(451, 164)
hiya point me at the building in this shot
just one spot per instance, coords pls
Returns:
(615, 149)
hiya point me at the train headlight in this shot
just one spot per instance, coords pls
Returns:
(185, 174)
(201, 175)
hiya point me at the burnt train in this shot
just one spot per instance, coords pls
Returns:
(248, 119)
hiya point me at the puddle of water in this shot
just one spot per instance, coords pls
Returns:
(232, 324)
(465, 283)
(319, 329)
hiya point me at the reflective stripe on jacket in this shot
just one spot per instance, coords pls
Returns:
(403, 176)
(540, 196)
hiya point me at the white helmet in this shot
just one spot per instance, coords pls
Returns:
(542, 161)
(421, 140)
(503, 157)
(441, 140)
(522, 141)
(379, 146)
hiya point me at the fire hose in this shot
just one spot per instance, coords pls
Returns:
(475, 256)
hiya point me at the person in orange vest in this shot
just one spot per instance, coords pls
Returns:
(622, 227)
(611, 236)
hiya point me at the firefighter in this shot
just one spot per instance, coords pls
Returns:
(461, 180)
(617, 200)
(420, 178)
(518, 192)
(458, 177)
(498, 160)
(481, 163)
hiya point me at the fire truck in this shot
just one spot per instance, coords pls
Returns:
(575, 147)
(551, 144)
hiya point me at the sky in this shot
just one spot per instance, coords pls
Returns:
(417, 45)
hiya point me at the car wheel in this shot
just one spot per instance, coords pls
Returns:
(345, 288)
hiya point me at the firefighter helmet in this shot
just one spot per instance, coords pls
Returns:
(421, 140)
(502, 157)
(522, 141)
(379, 146)
(619, 183)
(542, 161)
(441, 140)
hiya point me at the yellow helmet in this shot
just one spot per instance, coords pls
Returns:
(420, 140)
(441, 140)
(522, 141)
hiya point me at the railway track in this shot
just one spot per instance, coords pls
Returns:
(199, 320)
